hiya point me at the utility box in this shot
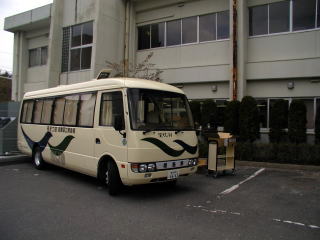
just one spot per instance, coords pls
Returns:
(221, 154)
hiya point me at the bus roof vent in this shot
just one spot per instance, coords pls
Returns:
(104, 73)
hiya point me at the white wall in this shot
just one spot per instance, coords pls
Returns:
(36, 76)
(278, 88)
(109, 34)
(84, 11)
(204, 90)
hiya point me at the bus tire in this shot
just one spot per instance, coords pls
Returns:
(113, 179)
(37, 159)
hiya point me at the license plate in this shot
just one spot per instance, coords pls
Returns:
(173, 174)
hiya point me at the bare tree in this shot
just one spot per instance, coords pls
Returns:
(145, 69)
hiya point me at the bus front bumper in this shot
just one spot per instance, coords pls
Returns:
(157, 176)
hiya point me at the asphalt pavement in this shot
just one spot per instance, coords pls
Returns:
(256, 203)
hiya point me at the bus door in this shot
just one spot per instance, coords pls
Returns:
(109, 141)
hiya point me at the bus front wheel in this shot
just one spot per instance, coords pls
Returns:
(113, 180)
(37, 159)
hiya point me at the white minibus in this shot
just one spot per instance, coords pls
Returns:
(120, 130)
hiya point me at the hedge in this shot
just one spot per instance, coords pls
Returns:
(308, 154)
(297, 121)
(249, 120)
(303, 154)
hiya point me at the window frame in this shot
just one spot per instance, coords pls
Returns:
(183, 44)
(95, 93)
(290, 21)
(39, 56)
(101, 104)
(70, 48)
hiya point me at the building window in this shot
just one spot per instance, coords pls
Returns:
(262, 105)
(309, 103)
(188, 30)
(174, 33)
(38, 56)
(284, 16)
(157, 35)
(223, 25)
(304, 14)
(258, 20)
(318, 13)
(207, 28)
(144, 37)
(221, 106)
(279, 19)
(77, 47)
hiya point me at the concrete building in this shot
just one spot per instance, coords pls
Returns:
(275, 45)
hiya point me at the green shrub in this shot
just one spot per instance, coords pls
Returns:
(317, 126)
(209, 114)
(196, 111)
(249, 119)
(292, 153)
(278, 121)
(297, 120)
(231, 117)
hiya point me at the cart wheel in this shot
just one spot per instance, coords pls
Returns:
(215, 174)
(233, 171)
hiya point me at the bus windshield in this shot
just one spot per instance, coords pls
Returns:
(159, 110)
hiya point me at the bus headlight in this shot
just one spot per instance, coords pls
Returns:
(193, 162)
(142, 168)
(151, 167)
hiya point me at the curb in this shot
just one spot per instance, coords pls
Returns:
(203, 163)
(278, 165)
(14, 159)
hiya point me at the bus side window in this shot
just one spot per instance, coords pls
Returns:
(58, 110)
(111, 106)
(29, 111)
(24, 112)
(70, 110)
(46, 111)
(86, 111)
(37, 111)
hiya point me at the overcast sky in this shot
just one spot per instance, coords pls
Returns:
(9, 8)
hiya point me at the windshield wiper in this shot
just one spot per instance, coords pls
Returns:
(147, 130)
(177, 131)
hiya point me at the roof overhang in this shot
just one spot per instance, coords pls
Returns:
(26, 21)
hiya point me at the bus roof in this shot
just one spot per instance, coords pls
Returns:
(102, 84)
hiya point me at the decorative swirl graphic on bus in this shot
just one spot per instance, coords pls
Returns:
(59, 149)
(56, 150)
(170, 151)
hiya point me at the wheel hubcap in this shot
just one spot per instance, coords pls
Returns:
(107, 177)
(37, 158)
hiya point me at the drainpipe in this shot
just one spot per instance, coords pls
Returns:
(126, 38)
(235, 52)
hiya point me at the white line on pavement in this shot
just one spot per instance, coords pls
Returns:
(296, 223)
(234, 187)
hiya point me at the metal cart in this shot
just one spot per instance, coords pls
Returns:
(221, 154)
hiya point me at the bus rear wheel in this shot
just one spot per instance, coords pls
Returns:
(37, 159)
(112, 178)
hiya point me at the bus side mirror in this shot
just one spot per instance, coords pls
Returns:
(118, 123)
